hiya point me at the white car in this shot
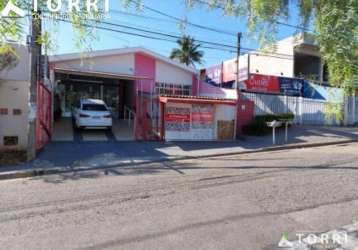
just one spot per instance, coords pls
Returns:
(92, 113)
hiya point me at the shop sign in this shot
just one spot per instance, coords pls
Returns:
(262, 83)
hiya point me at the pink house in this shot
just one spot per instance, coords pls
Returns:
(129, 80)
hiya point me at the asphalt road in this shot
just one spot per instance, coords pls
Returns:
(241, 202)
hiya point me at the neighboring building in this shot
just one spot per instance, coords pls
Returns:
(14, 98)
(295, 57)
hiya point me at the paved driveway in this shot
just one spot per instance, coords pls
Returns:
(64, 131)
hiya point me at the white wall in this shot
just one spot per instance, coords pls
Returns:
(21, 72)
(167, 73)
(14, 95)
(280, 61)
(267, 65)
(116, 64)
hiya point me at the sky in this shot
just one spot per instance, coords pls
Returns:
(63, 34)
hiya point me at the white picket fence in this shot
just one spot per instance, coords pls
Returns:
(306, 111)
(351, 110)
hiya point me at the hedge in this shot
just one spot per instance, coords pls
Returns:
(258, 126)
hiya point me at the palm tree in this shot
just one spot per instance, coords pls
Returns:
(187, 52)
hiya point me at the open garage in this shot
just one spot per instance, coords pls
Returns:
(116, 91)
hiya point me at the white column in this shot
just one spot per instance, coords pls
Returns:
(346, 110)
(300, 115)
(354, 109)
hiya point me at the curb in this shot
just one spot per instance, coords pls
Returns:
(40, 172)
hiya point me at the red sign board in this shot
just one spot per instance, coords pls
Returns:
(202, 117)
(262, 83)
(177, 117)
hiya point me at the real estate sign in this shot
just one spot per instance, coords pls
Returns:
(189, 121)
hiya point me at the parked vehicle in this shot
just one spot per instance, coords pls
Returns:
(92, 113)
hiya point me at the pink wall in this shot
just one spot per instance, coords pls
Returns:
(144, 67)
(205, 89)
(195, 86)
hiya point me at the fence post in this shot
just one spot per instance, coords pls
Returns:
(300, 115)
(346, 110)
(353, 109)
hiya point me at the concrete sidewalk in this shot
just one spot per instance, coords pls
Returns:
(71, 156)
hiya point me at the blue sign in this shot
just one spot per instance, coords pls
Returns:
(291, 86)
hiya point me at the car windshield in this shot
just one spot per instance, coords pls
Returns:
(94, 107)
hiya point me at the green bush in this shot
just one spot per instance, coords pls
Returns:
(258, 126)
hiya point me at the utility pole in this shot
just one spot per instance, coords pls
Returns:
(239, 34)
(35, 57)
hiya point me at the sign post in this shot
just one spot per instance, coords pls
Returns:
(273, 125)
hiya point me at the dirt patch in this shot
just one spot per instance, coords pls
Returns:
(12, 156)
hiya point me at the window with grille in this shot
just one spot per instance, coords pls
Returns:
(172, 89)
(10, 140)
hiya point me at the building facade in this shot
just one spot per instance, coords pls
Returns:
(14, 99)
(296, 57)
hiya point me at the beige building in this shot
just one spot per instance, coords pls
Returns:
(14, 97)
(295, 56)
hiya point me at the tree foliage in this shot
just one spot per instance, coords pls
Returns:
(14, 29)
(187, 52)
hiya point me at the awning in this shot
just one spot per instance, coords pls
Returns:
(100, 74)
(196, 100)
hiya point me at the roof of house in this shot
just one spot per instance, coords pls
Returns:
(121, 51)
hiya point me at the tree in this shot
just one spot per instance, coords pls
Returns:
(13, 28)
(187, 52)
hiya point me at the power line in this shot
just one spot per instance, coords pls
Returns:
(221, 31)
(153, 28)
(214, 46)
(140, 35)
(200, 41)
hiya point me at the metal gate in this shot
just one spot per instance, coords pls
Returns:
(43, 119)
(147, 126)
